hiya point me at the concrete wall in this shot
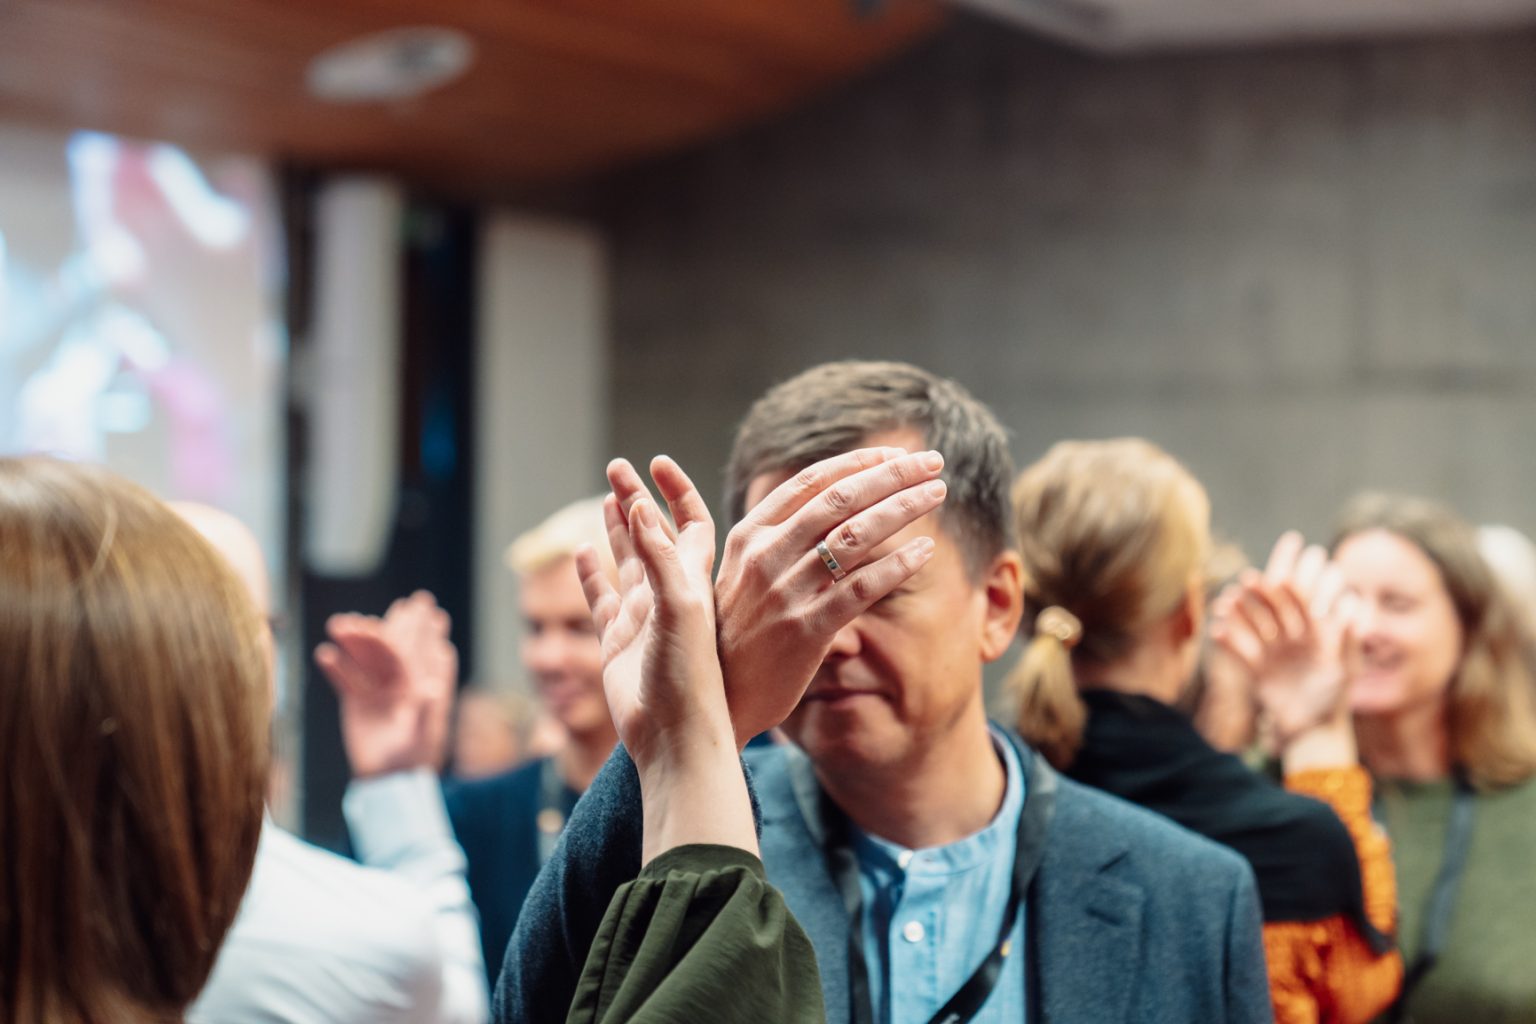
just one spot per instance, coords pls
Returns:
(541, 431)
(1304, 271)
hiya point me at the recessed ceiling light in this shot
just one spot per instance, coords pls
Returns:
(399, 64)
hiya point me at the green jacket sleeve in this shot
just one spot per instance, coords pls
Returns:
(699, 935)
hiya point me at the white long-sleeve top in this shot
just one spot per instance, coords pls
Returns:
(322, 940)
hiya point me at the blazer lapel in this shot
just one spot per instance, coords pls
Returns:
(792, 852)
(1088, 925)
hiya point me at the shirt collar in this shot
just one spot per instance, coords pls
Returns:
(885, 858)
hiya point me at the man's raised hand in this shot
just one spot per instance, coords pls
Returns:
(777, 605)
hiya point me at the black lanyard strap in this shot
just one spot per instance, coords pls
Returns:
(1029, 849)
(1441, 906)
(550, 821)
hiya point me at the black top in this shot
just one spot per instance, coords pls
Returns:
(1301, 853)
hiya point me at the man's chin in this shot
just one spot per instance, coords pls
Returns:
(839, 734)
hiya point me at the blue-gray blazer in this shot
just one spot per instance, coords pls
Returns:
(1137, 920)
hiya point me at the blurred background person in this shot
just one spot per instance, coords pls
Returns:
(1442, 688)
(1115, 537)
(1512, 557)
(1219, 698)
(321, 940)
(133, 747)
(508, 824)
(497, 729)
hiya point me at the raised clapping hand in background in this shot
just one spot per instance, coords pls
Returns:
(395, 678)
(1287, 629)
(777, 607)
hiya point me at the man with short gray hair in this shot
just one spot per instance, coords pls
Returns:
(942, 870)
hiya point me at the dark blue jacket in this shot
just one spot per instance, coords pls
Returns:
(495, 821)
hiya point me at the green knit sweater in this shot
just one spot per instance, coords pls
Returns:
(1487, 973)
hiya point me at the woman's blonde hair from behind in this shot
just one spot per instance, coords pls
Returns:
(133, 749)
(1113, 533)
(1491, 700)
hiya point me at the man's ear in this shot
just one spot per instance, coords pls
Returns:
(1003, 588)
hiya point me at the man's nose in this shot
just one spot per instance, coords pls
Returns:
(846, 642)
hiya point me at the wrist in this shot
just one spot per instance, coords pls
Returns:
(689, 748)
(364, 772)
(1326, 744)
(378, 765)
(693, 791)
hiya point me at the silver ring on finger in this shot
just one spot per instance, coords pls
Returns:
(829, 560)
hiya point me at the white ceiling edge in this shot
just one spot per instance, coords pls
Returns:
(1130, 26)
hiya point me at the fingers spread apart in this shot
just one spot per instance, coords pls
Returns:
(684, 503)
(683, 499)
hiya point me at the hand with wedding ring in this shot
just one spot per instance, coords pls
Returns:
(780, 604)
(779, 601)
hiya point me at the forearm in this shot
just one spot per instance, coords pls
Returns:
(399, 824)
(694, 793)
(1327, 745)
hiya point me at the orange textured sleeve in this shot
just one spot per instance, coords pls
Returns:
(1324, 972)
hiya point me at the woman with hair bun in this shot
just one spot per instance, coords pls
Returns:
(1115, 539)
(1444, 700)
(133, 749)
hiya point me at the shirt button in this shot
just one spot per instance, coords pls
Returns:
(903, 859)
(912, 931)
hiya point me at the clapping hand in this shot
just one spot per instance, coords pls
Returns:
(777, 605)
(395, 678)
(1287, 628)
(661, 672)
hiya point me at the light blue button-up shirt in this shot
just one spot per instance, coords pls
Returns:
(932, 916)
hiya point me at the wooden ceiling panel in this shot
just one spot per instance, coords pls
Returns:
(558, 87)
